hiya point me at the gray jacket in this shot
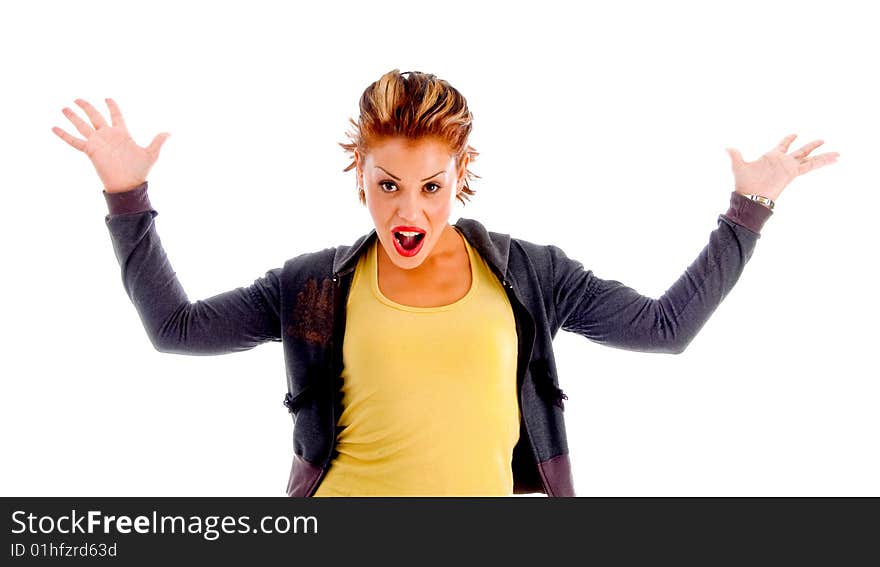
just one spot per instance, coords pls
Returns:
(302, 305)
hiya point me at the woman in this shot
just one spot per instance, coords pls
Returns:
(419, 359)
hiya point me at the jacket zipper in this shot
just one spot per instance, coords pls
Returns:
(332, 376)
(518, 306)
(333, 365)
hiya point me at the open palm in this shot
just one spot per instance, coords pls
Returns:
(120, 162)
(772, 172)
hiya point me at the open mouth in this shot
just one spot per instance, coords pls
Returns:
(408, 242)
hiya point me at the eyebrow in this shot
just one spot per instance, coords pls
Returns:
(398, 179)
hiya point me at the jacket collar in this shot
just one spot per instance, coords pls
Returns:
(493, 247)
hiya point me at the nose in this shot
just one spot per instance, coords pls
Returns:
(409, 207)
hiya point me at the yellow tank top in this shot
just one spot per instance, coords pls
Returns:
(429, 393)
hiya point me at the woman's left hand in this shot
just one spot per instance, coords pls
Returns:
(770, 174)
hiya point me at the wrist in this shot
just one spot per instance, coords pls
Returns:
(747, 213)
(760, 199)
(135, 200)
(124, 187)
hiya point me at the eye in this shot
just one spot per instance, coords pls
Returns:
(431, 188)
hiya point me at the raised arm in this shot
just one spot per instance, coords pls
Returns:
(229, 322)
(610, 313)
(233, 321)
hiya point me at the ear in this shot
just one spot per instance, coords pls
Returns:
(462, 169)
(359, 171)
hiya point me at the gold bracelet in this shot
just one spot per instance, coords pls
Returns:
(763, 200)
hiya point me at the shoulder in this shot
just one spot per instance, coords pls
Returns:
(540, 254)
(310, 264)
(531, 248)
(513, 251)
(499, 238)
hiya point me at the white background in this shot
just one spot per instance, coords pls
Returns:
(602, 129)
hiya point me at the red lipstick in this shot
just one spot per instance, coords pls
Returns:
(408, 245)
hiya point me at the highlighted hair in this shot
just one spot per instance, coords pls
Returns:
(415, 106)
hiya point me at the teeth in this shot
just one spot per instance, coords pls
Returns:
(410, 233)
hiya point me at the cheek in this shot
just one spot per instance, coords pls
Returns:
(440, 209)
(378, 208)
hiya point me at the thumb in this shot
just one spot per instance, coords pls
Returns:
(156, 144)
(735, 157)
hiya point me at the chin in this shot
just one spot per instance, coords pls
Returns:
(404, 262)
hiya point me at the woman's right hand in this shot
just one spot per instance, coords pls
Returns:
(121, 164)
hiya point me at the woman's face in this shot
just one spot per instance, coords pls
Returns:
(410, 188)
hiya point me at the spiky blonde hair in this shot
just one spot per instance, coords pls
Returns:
(414, 105)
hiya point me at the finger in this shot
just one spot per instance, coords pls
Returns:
(75, 142)
(115, 114)
(806, 149)
(156, 144)
(84, 128)
(786, 141)
(93, 114)
(818, 161)
(735, 157)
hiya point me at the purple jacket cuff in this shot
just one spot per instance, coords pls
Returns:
(127, 202)
(748, 213)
